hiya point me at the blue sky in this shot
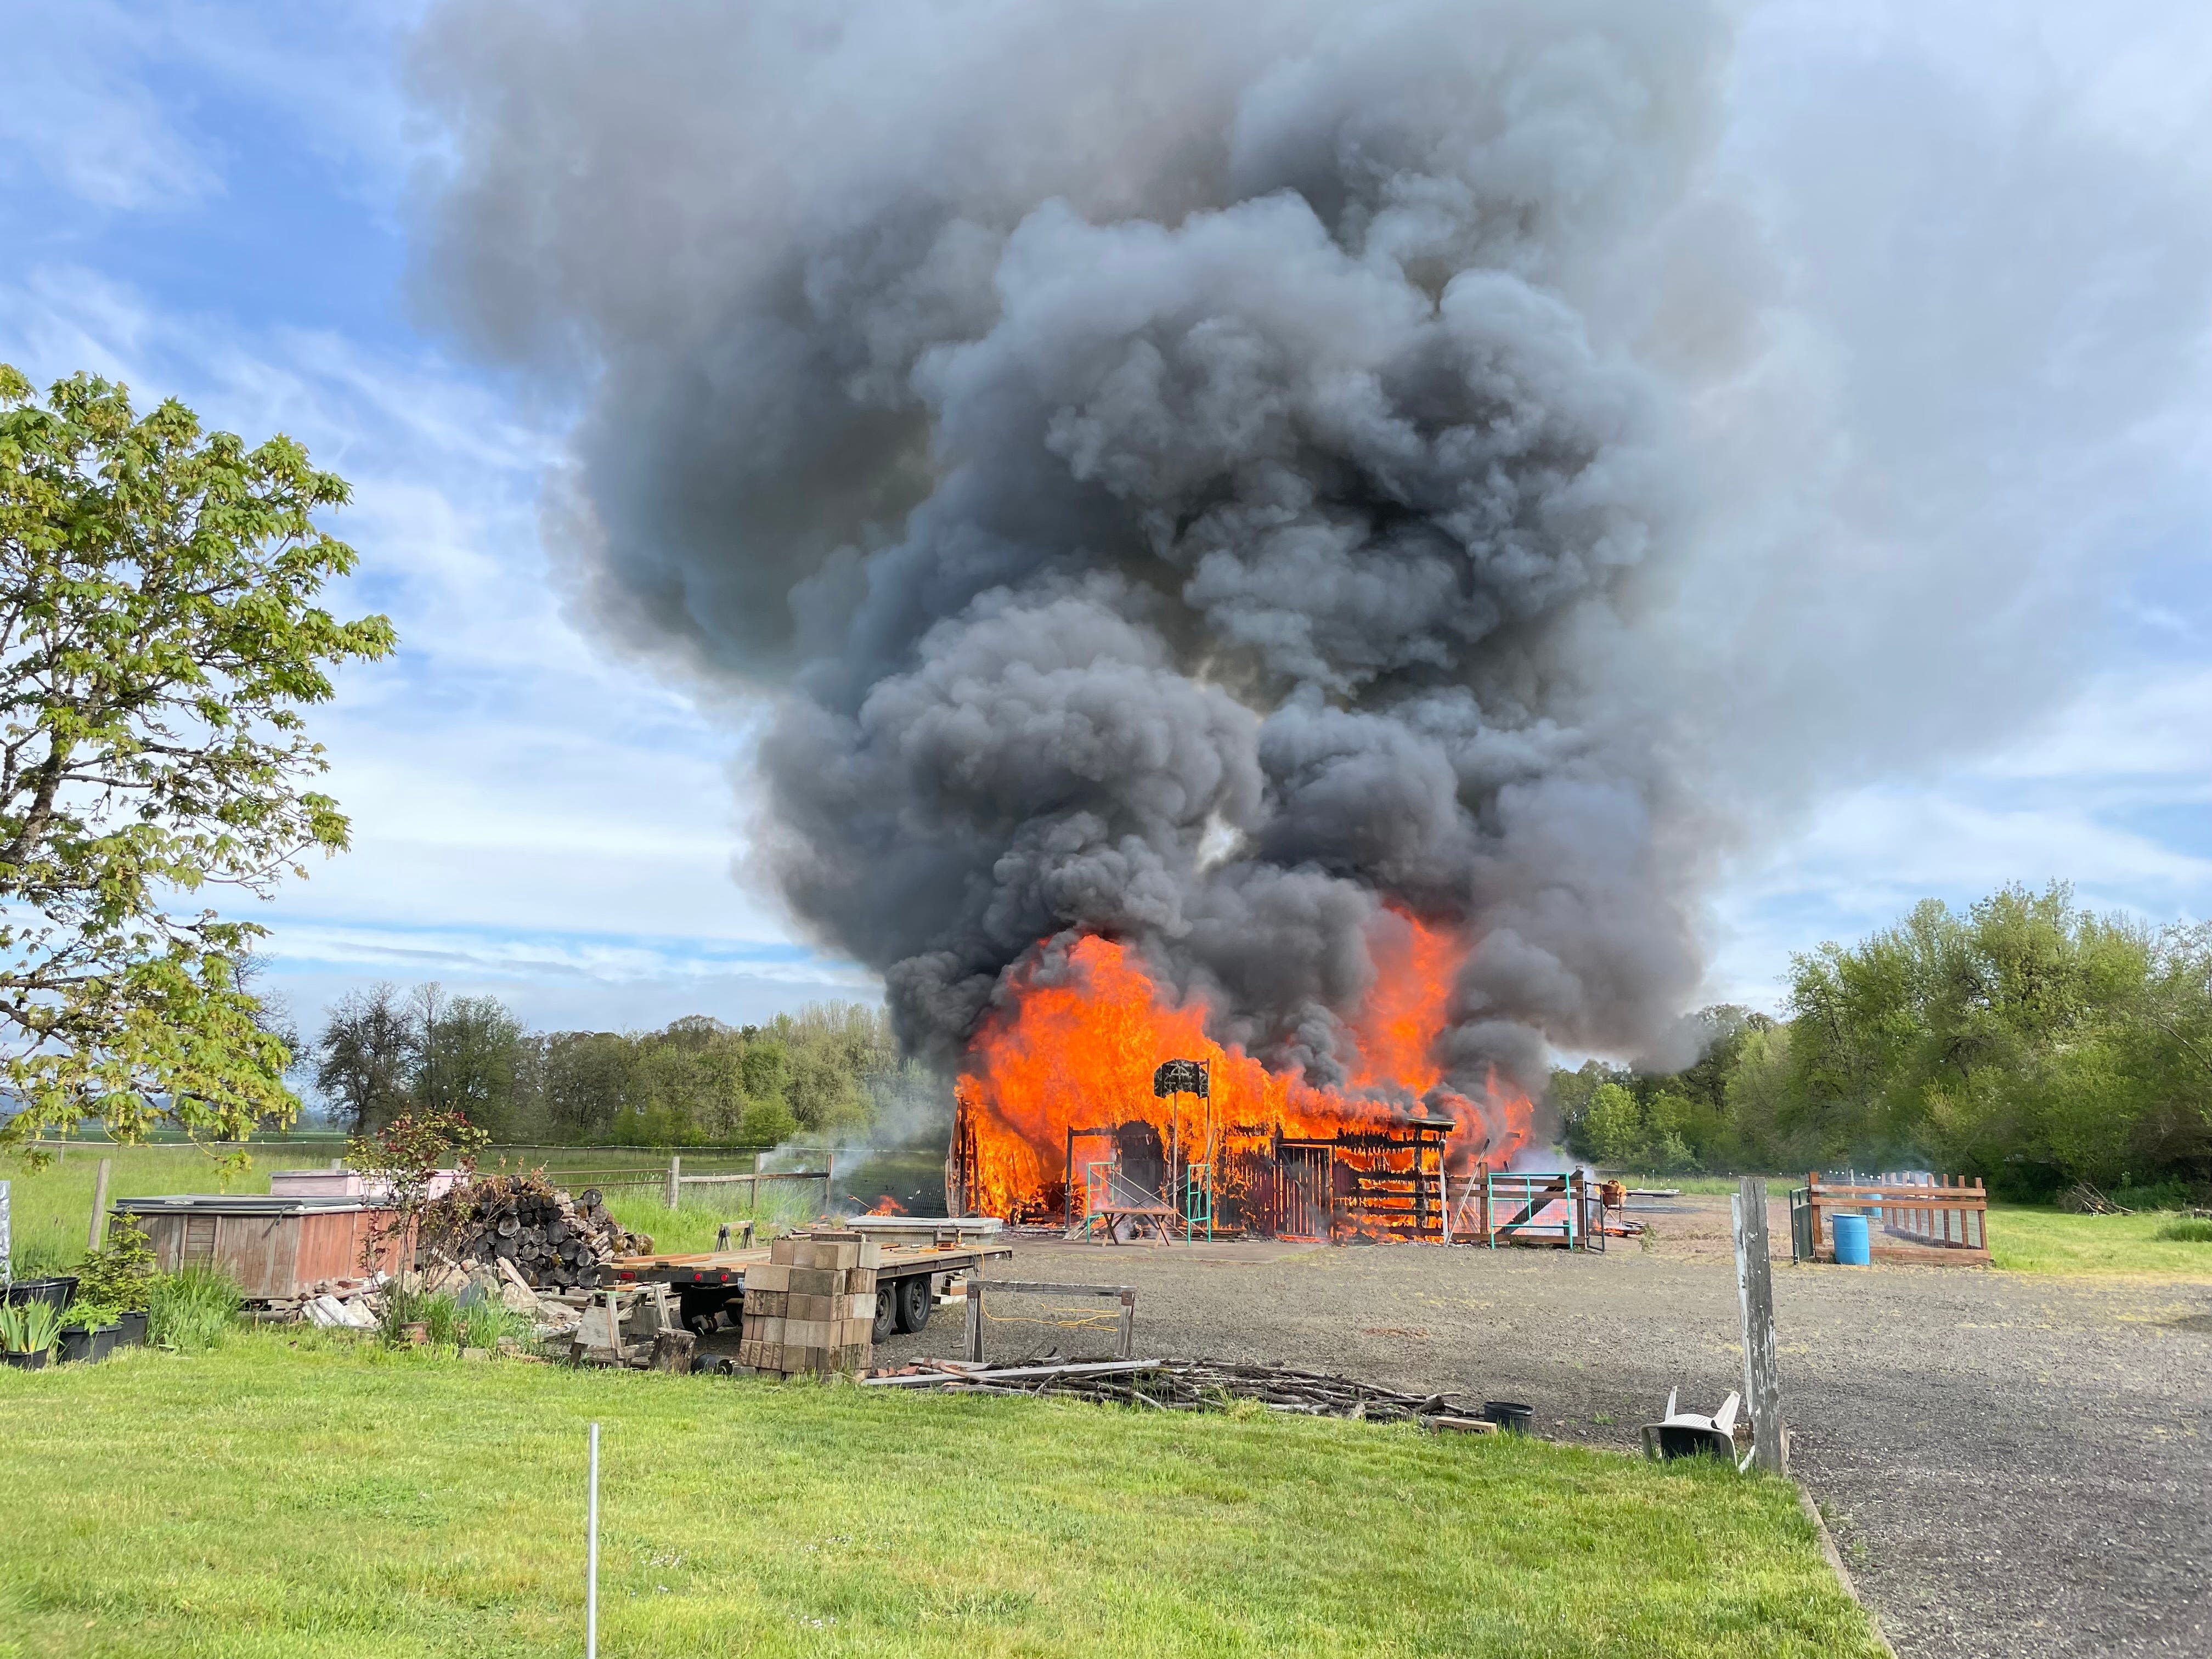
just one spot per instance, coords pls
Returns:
(214, 201)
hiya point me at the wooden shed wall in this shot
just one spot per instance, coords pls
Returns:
(271, 1255)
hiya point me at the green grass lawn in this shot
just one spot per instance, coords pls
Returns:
(695, 1225)
(335, 1499)
(2040, 1241)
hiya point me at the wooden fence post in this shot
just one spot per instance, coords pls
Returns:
(975, 1317)
(1128, 1344)
(1754, 1282)
(675, 1182)
(99, 1208)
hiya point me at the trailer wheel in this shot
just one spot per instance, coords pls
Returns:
(696, 1309)
(917, 1300)
(886, 1310)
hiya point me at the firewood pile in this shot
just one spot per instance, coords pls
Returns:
(551, 1241)
(813, 1308)
(1190, 1385)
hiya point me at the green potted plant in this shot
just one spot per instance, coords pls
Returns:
(120, 1275)
(27, 1334)
(88, 1332)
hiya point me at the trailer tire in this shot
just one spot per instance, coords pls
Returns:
(697, 1308)
(917, 1300)
(887, 1310)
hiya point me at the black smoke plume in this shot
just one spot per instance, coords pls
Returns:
(1190, 472)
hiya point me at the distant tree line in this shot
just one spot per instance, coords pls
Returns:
(831, 1067)
(2024, 1040)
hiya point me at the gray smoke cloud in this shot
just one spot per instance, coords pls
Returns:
(1196, 473)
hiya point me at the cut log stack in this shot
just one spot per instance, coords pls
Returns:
(813, 1308)
(551, 1240)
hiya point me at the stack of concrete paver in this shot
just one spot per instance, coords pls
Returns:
(812, 1307)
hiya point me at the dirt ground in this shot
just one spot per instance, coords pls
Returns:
(2011, 1465)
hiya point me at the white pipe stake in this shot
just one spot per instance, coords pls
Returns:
(592, 1559)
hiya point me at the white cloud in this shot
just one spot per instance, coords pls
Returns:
(2142, 726)
(77, 112)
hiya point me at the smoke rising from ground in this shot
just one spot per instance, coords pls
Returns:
(1201, 473)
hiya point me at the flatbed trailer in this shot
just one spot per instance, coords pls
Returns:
(908, 1278)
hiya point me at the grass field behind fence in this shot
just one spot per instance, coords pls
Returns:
(333, 1498)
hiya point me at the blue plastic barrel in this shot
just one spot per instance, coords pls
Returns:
(1851, 1240)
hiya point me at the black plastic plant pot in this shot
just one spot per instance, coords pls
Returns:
(78, 1345)
(54, 1292)
(27, 1362)
(1510, 1415)
(103, 1341)
(131, 1330)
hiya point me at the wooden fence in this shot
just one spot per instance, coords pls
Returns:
(750, 1180)
(1911, 1216)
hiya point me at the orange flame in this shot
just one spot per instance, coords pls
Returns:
(887, 1206)
(1077, 1051)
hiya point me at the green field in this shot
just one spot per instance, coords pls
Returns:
(2039, 1241)
(1709, 1184)
(333, 1497)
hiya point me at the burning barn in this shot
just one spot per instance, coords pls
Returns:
(1065, 1114)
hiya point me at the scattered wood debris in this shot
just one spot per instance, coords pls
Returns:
(1190, 1385)
(2082, 1199)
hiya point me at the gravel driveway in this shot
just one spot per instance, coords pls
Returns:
(2011, 1465)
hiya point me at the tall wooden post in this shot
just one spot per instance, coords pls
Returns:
(675, 1182)
(1125, 1338)
(99, 1208)
(975, 1317)
(1754, 1282)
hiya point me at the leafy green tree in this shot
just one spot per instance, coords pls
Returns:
(467, 1054)
(161, 637)
(1756, 1097)
(363, 1058)
(2024, 1040)
(582, 1078)
(1613, 1126)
